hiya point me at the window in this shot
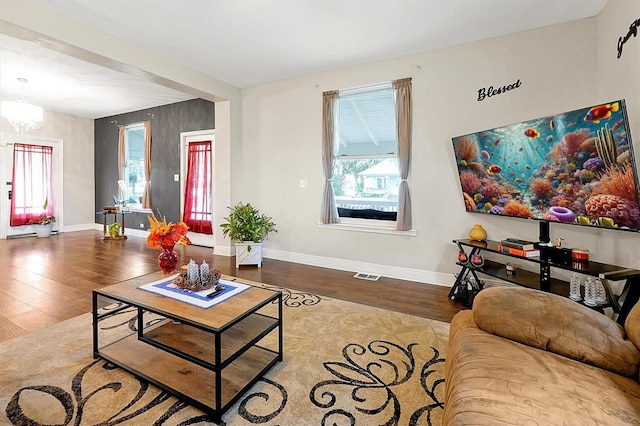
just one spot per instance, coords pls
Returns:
(32, 183)
(366, 177)
(134, 165)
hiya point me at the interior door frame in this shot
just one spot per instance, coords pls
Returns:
(7, 140)
(185, 138)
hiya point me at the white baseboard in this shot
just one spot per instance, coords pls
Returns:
(422, 276)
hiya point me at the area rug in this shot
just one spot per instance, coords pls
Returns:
(344, 364)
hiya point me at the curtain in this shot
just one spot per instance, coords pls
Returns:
(32, 183)
(122, 155)
(197, 200)
(146, 196)
(402, 92)
(330, 111)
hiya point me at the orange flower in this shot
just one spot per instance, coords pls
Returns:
(162, 233)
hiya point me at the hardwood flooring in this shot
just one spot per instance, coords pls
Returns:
(47, 280)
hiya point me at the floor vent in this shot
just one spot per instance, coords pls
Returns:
(364, 276)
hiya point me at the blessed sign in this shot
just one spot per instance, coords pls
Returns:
(487, 92)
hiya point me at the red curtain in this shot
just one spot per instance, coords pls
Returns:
(32, 185)
(197, 200)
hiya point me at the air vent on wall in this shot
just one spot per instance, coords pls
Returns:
(365, 276)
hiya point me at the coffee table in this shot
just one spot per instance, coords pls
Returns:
(206, 357)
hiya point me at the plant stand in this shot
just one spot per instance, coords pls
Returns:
(248, 253)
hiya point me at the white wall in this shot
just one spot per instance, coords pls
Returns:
(558, 69)
(77, 136)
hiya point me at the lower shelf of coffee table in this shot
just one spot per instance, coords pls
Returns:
(186, 379)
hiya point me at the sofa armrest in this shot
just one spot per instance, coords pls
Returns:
(557, 324)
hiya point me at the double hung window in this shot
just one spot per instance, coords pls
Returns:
(133, 175)
(366, 177)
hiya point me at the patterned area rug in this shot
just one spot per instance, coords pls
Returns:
(344, 364)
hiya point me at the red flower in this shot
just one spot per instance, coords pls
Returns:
(162, 233)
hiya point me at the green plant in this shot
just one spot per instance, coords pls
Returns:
(114, 230)
(246, 223)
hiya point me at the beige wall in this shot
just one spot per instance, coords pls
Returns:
(558, 69)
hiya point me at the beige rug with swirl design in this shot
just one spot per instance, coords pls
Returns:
(344, 363)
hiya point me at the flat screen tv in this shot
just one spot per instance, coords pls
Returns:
(576, 167)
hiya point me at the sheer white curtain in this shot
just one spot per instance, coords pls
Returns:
(330, 110)
(402, 92)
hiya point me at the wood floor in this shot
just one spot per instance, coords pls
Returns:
(47, 280)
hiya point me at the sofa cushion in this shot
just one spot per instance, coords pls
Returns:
(495, 381)
(556, 324)
(632, 325)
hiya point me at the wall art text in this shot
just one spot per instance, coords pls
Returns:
(487, 92)
(633, 31)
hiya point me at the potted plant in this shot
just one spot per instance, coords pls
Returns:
(248, 228)
(43, 224)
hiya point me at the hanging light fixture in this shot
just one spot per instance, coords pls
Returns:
(22, 115)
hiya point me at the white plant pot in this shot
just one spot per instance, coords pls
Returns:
(248, 253)
(43, 231)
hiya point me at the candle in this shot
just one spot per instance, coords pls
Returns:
(193, 270)
(204, 270)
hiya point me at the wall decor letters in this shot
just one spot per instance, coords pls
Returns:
(633, 31)
(487, 92)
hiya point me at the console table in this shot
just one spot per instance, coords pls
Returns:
(543, 280)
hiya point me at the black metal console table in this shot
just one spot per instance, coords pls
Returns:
(543, 279)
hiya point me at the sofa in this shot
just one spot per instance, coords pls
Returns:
(527, 357)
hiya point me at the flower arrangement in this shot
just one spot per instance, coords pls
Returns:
(43, 219)
(163, 234)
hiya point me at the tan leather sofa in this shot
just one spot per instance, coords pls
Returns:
(526, 357)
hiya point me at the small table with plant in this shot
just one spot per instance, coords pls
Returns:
(114, 230)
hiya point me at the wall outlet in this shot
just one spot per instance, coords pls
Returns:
(142, 225)
(176, 178)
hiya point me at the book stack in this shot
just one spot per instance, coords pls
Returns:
(516, 247)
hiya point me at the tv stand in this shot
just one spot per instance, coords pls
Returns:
(543, 280)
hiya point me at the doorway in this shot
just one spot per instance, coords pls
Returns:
(206, 240)
(7, 142)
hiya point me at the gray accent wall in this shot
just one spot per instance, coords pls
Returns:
(167, 122)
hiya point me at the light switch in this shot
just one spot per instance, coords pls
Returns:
(176, 178)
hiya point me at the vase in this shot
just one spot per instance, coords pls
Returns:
(168, 259)
(43, 231)
(477, 233)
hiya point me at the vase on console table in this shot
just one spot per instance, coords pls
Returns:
(168, 259)
(477, 233)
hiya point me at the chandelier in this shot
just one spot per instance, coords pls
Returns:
(22, 115)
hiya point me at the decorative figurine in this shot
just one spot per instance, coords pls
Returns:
(558, 243)
(574, 288)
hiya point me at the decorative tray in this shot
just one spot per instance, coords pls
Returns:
(201, 283)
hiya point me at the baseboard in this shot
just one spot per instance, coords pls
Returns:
(82, 227)
(409, 274)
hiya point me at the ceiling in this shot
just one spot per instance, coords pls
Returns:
(251, 42)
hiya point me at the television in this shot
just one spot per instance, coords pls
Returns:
(575, 167)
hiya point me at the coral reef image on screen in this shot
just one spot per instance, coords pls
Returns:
(575, 167)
